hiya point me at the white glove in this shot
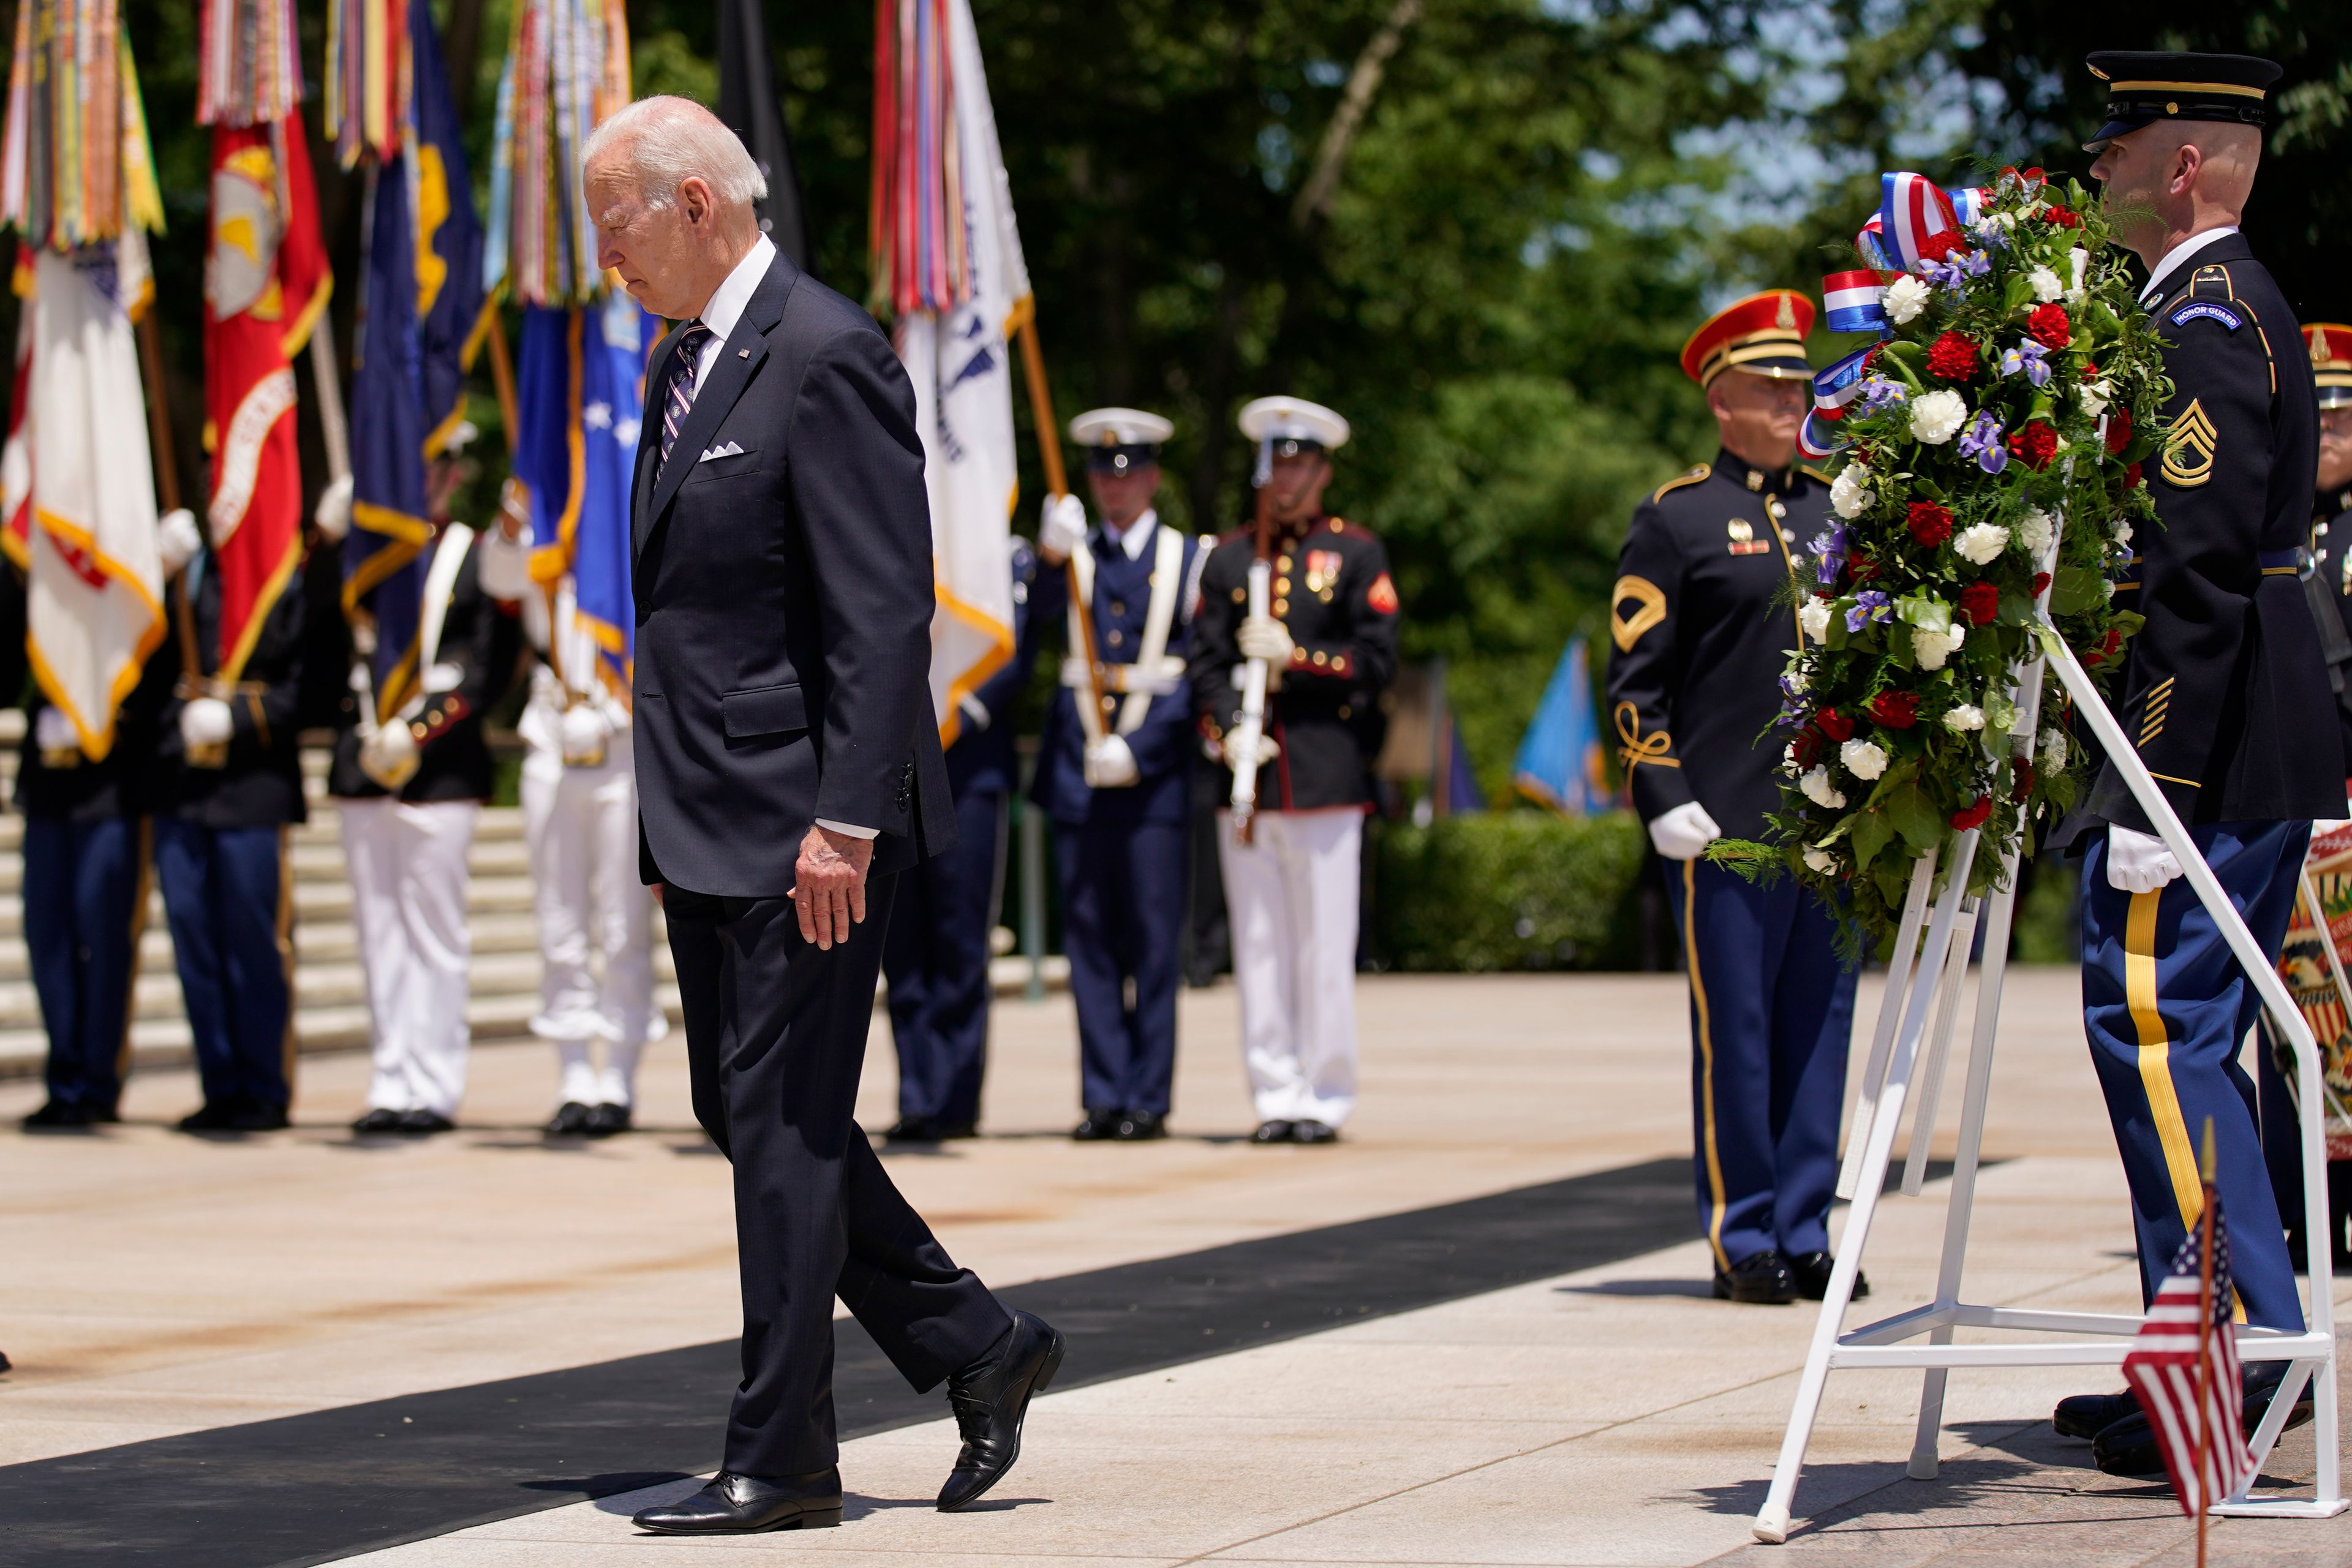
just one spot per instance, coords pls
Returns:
(2138, 862)
(333, 514)
(1682, 832)
(502, 565)
(206, 721)
(1263, 637)
(389, 756)
(1109, 763)
(53, 731)
(1061, 528)
(176, 538)
(584, 733)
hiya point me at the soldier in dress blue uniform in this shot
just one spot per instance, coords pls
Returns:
(2224, 694)
(1115, 779)
(225, 785)
(935, 955)
(1704, 627)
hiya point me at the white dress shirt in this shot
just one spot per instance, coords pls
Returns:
(1137, 534)
(2180, 253)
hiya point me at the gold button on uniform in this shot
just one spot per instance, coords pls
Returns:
(1116, 638)
(1117, 608)
(1282, 607)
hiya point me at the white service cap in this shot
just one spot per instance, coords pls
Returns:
(1119, 428)
(1269, 419)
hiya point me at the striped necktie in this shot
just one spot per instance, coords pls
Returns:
(680, 399)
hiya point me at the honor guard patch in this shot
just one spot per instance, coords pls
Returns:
(2188, 449)
(1649, 608)
(2206, 310)
(1743, 538)
(1382, 595)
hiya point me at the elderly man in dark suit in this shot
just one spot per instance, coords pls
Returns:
(788, 767)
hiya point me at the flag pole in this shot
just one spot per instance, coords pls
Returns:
(2205, 1398)
(1049, 451)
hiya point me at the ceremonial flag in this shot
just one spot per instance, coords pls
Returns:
(748, 104)
(1854, 302)
(2203, 1443)
(1559, 760)
(1912, 210)
(948, 267)
(421, 299)
(78, 478)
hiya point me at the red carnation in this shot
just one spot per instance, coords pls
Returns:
(2119, 429)
(2034, 443)
(1973, 814)
(2064, 218)
(1930, 524)
(1980, 601)
(2022, 772)
(2131, 476)
(1860, 568)
(1937, 247)
(1834, 724)
(1806, 748)
(2050, 326)
(1895, 710)
(1952, 357)
(2107, 649)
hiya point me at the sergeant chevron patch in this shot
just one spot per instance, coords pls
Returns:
(2189, 448)
(1650, 602)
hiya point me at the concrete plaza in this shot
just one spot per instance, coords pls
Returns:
(159, 1285)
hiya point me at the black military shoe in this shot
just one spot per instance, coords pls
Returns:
(1313, 1133)
(423, 1123)
(1273, 1132)
(745, 1505)
(2086, 1416)
(1811, 1272)
(256, 1116)
(569, 1121)
(57, 1115)
(913, 1130)
(950, 1131)
(211, 1116)
(378, 1120)
(990, 1398)
(1096, 1126)
(1140, 1126)
(604, 1120)
(2127, 1446)
(1760, 1279)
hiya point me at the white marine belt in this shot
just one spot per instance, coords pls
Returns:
(1129, 677)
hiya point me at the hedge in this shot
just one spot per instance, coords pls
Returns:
(1514, 889)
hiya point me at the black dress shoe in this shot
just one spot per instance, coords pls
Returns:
(989, 1397)
(378, 1120)
(950, 1131)
(604, 1120)
(745, 1505)
(1273, 1132)
(2086, 1416)
(1760, 1279)
(2127, 1446)
(1142, 1126)
(256, 1116)
(569, 1121)
(1811, 1272)
(211, 1116)
(1313, 1133)
(1096, 1126)
(913, 1130)
(56, 1114)
(424, 1123)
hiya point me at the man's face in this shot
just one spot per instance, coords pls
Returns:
(1295, 489)
(1759, 415)
(2334, 449)
(653, 249)
(2136, 169)
(1121, 497)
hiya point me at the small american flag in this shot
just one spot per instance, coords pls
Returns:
(2162, 1371)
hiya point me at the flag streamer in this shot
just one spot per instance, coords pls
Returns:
(77, 165)
(566, 69)
(249, 73)
(369, 76)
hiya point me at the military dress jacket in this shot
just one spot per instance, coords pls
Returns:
(2328, 591)
(2224, 693)
(1331, 588)
(481, 638)
(260, 784)
(981, 759)
(1701, 624)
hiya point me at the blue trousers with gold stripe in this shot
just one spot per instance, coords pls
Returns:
(1771, 1014)
(2165, 1007)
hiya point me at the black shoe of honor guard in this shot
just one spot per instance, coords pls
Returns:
(1273, 1132)
(745, 1505)
(569, 1121)
(1096, 1126)
(378, 1120)
(1313, 1133)
(211, 1116)
(2127, 1446)
(56, 1115)
(913, 1130)
(1811, 1272)
(257, 1116)
(990, 1398)
(424, 1123)
(1140, 1127)
(604, 1120)
(1760, 1279)
(2086, 1416)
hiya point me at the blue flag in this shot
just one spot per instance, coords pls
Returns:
(578, 399)
(1559, 764)
(419, 313)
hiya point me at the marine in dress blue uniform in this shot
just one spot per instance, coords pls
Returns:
(1702, 628)
(2224, 694)
(935, 955)
(1114, 781)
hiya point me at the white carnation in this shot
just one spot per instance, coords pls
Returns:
(2078, 261)
(2035, 530)
(1820, 791)
(2046, 286)
(2123, 533)
(2053, 750)
(1796, 678)
(1938, 417)
(1788, 759)
(2095, 396)
(1966, 717)
(1906, 298)
(1850, 492)
(1814, 615)
(1821, 860)
(1980, 543)
(1863, 759)
(1932, 649)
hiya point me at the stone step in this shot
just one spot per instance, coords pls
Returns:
(314, 942)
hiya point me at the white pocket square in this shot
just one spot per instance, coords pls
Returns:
(728, 450)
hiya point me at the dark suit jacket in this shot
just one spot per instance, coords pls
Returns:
(784, 599)
(261, 786)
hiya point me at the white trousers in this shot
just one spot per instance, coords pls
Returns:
(595, 919)
(1290, 900)
(408, 902)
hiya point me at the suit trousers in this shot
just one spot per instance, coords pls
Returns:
(1122, 923)
(775, 1037)
(595, 920)
(1291, 898)
(85, 902)
(228, 900)
(935, 957)
(408, 903)
(2165, 1007)
(1771, 1020)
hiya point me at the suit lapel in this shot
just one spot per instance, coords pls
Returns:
(745, 347)
(641, 483)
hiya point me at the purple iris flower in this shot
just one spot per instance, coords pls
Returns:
(1954, 274)
(1989, 236)
(1831, 549)
(1868, 605)
(1983, 442)
(1878, 391)
(2029, 357)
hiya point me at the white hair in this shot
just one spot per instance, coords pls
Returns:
(664, 139)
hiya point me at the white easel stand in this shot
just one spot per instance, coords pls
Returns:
(1921, 973)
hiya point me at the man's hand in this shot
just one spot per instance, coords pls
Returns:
(1061, 528)
(1111, 763)
(1263, 637)
(2138, 862)
(829, 885)
(1681, 834)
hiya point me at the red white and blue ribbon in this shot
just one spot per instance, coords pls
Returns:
(1874, 253)
(1814, 444)
(1912, 210)
(1841, 383)
(1854, 302)
(1968, 204)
